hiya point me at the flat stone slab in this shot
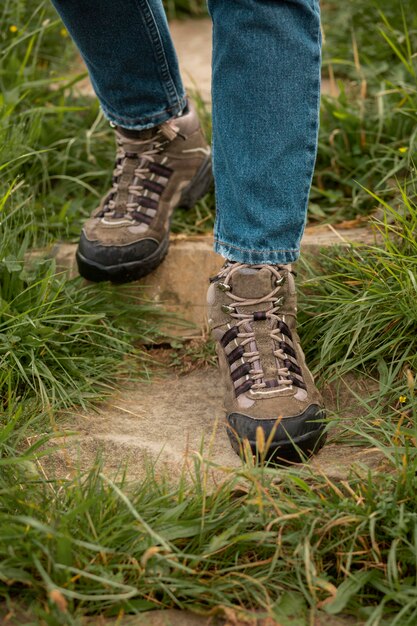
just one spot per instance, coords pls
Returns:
(170, 420)
(180, 282)
(165, 421)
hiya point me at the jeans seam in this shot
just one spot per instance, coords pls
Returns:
(312, 149)
(158, 48)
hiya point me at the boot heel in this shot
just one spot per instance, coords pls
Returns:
(198, 187)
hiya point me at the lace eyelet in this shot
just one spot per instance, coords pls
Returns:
(224, 287)
(227, 309)
(280, 281)
(279, 301)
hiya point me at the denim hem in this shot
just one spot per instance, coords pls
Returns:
(150, 120)
(254, 257)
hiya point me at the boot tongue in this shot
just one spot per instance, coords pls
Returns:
(251, 283)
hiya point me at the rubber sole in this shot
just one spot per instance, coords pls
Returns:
(284, 452)
(198, 187)
(134, 270)
(122, 272)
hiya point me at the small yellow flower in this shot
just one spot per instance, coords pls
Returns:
(402, 399)
(63, 32)
(403, 149)
(13, 28)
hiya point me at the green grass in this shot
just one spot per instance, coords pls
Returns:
(359, 318)
(61, 340)
(276, 540)
(360, 22)
(286, 541)
(363, 312)
(367, 135)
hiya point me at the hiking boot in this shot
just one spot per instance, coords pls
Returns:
(156, 170)
(252, 316)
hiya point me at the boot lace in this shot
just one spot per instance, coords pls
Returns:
(141, 189)
(288, 372)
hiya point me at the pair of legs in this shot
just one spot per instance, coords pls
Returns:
(266, 83)
(266, 86)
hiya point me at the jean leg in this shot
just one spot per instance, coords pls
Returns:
(130, 56)
(266, 92)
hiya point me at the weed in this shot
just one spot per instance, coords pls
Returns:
(354, 26)
(364, 308)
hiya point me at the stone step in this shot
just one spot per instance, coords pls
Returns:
(170, 419)
(180, 282)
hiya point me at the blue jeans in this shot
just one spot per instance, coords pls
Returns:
(266, 92)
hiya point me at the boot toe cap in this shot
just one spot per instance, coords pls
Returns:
(111, 255)
(304, 430)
